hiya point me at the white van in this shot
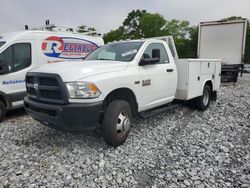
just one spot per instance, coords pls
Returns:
(29, 49)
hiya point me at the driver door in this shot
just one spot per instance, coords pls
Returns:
(158, 80)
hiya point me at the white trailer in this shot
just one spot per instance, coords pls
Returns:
(224, 40)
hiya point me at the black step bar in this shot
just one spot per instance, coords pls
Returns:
(158, 110)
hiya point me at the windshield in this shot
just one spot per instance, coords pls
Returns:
(120, 51)
(1, 43)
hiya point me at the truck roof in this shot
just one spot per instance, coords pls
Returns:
(10, 36)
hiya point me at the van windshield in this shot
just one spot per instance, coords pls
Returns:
(1, 43)
(119, 51)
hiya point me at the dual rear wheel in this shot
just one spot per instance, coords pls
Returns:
(203, 102)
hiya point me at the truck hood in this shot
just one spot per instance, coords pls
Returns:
(75, 70)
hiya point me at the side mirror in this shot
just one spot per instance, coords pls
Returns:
(3, 67)
(149, 61)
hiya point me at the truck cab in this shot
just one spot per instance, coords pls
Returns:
(112, 85)
(26, 50)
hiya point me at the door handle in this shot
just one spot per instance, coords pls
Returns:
(170, 70)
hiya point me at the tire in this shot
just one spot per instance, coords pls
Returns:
(2, 111)
(235, 78)
(191, 104)
(203, 102)
(214, 96)
(116, 123)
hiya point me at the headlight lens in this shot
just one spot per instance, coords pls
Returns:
(82, 90)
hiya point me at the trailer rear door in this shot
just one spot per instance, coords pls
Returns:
(223, 40)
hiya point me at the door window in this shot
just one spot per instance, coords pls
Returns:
(6, 60)
(22, 56)
(15, 58)
(156, 50)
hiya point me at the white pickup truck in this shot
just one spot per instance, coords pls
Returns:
(114, 84)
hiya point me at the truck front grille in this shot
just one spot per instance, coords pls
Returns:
(46, 88)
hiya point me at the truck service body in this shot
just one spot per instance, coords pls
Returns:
(115, 83)
(25, 50)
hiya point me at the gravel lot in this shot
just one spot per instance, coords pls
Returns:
(183, 148)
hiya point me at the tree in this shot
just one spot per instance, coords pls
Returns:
(178, 29)
(194, 32)
(114, 35)
(151, 25)
(187, 47)
(131, 24)
(138, 24)
(141, 24)
(181, 32)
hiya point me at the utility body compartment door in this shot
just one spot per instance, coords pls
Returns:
(158, 81)
(193, 75)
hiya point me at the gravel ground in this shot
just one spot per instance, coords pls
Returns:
(183, 148)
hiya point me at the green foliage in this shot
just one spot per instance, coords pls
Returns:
(184, 37)
(131, 24)
(194, 32)
(187, 47)
(114, 35)
(151, 25)
(178, 29)
(141, 24)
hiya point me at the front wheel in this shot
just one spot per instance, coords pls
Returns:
(116, 123)
(203, 102)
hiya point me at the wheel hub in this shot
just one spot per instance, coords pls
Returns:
(123, 124)
(126, 124)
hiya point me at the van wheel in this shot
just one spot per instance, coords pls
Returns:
(2, 111)
(203, 102)
(116, 123)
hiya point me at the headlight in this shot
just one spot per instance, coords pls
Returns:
(82, 90)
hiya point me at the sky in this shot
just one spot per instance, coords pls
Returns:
(105, 15)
